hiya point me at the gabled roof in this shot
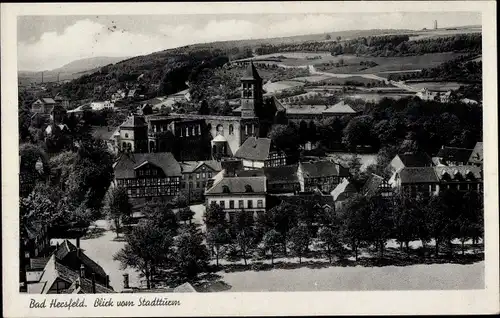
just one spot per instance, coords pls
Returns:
(343, 188)
(251, 73)
(67, 248)
(323, 168)
(38, 263)
(419, 159)
(134, 121)
(372, 184)
(458, 173)
(305, 109)
(477, 154)
(314, 199)
(125, 166)
(238, 185)
(418, 175)
(340, 108)
(48, 100)
(282, 174)
(254, 149)
(54, 270)
(454, 154)
(191, 166)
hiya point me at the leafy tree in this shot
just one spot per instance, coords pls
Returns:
(328, 37)
(355, 225)
(161, 215)
(118, 207)
(284, 218)
(214, 215)
(330, 240)
(91, 175)
(185, 214)
(270, 240)
(191, 255)
(359, 132)
(300, 240)
(147, 248)
(285, 137)
(381, 222)
(403, 217)
(204, 110)
(217, 238)
(245, 240)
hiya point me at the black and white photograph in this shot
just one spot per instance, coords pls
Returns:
(168, 153)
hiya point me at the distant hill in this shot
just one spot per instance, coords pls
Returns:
(87, 64)
(69, 71)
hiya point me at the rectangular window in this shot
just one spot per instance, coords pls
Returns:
(221, 204)
(203, 175)
(240, 204)
(141, 172)
(197, 184)
(155, 172)
(210, 175)
(250, 204)
(231, 204)
(197, 176)
(260, 203)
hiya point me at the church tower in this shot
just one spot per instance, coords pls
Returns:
(251, 93)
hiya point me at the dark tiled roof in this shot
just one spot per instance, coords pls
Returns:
(371, 185)
(282, 174)
(251, 73)
(419, 159)
(239, 185)
(323, 168)
(67, 248)
(343, 189)
(477, 154)
(455, 154)
(38, 263)
(458, 173)
(134, 121)
(254, 149)
(340, 108)
(190, 166)
(103, 132)
(418, 175)
(125, 166)
(48, 101)
(84, 286)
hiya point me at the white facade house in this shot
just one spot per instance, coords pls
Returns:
(102, 105)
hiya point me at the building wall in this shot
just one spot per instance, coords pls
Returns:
(151, 186)
(254, 198)
(252, 164)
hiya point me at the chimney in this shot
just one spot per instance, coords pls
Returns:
(93, 284)
(107, 281)
(82, 271)
(125, 281)
(77, 282)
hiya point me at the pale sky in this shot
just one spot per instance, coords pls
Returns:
(48, 42)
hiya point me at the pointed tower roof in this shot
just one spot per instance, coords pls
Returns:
(134, 121)
(251, 73)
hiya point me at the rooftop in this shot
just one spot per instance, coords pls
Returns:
(238, 185)
(477, 154)
(323, 168)
(134, 121)
(254, 149)
(418, 175)
(419, 159)
(343, 188)
(103, 132)
(124, 168)
(454, 154)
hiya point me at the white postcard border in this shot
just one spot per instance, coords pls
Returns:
(275, 303)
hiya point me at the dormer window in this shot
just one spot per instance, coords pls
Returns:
(225, 189)
(248, 188)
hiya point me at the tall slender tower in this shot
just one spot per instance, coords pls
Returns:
(251, 93)
(435, 24)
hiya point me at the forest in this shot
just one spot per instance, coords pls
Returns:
(387, 45)
(461, 69)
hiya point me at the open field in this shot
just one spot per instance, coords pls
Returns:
(443, 32)
(352, 79)
(281, 85)
(436, 86)
(413, 277)
(376, 97)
